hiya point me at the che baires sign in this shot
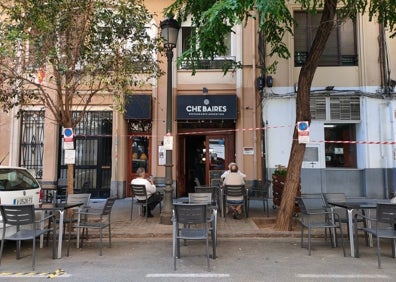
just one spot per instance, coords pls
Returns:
(206, 107)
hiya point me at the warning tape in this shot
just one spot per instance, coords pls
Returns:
(56, 273)
(257, 129)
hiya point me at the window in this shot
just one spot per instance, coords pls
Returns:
(340, 154)
(32, 142)
(340, 48)
(218, 63)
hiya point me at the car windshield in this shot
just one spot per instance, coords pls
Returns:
(16, 179)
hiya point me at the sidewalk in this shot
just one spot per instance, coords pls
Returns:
(256, 225)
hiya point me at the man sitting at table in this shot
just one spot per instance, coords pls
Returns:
(153, 197)
(234, 178)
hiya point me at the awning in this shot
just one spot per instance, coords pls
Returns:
(206, 107)
(138, 107)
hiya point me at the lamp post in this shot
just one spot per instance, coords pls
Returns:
(169, 31)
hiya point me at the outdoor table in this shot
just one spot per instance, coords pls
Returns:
(56, 208)
(351, 205)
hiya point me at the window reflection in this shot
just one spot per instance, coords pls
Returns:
(140, 156)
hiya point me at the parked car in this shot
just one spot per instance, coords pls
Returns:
(18, 187)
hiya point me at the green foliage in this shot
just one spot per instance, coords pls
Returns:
(280, 171)
(84, 47)
(215, 19)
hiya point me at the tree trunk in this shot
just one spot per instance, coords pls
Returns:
(285, 213)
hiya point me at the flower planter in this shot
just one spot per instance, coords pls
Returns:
(278, 183)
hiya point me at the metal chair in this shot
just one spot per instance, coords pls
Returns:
(96, 219)
(236, 191)
(261, 192)
(314, 214)
(23, 218)
(189, 223)
(139, 190)
(385, 227)
(75, 199)
(206, 199)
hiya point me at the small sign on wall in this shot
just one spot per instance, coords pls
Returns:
(70, 156)
(161, 155)
(248, 151)
(168, 142)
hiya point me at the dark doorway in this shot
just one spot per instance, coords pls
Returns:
(195, 161)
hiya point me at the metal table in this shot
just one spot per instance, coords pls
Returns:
(351, 205)
(56, 208)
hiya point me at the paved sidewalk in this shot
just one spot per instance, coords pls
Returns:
(256, 225)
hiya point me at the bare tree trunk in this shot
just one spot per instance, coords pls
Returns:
(285, 213)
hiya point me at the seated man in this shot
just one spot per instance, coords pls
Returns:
(234, 178)
(153, 197)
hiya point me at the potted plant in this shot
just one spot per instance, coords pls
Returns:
(278, 183)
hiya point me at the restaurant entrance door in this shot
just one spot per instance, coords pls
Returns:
(203, 157)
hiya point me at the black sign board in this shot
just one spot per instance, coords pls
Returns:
(206, 107)
(138, 107)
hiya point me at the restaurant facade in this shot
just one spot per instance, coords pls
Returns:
(243, 116)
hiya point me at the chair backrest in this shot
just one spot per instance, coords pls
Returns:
(17, 215)
(79, 198)
(386, 213)
(217, 182)
(139, 190)
(207, 189)
(334, 197)
(108, 206)
(200, 198)
(234, 190)
(266, 187)
(311, 203)
(190, 213)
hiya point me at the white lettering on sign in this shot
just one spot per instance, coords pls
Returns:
(206, 109)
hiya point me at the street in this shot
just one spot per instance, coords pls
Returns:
(244, 259)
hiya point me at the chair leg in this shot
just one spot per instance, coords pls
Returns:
(100, 241)
(207, 252)
(34, 254)
(131, 208)
(378, 252)
(109, 236)
(309, 241)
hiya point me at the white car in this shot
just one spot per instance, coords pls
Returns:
(17, 187)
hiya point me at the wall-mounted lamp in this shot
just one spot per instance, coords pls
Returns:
(269, 81)
(205, 91)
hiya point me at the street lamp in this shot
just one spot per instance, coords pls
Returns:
(169, 31)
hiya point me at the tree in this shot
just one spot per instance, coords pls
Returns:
(214, 19)
(61, 54)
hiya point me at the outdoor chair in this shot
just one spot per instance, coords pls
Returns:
(315, 215)
(139, 190)
(189, 223)
(261, 192)
(384, 227)
(23, 218)
(96, 219)
(209, 189)
(206, 199)
(236, 191)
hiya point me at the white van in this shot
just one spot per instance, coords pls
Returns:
(17, 187)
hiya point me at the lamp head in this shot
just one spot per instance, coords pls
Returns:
(169, 31)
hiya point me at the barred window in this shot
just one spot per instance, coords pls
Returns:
(32, 142)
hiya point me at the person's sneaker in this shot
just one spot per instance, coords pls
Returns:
(238, 216)
(150, 214)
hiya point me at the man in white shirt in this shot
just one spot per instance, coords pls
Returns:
(153, 198)
(229, 170)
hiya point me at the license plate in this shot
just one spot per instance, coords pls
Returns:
(23, 200)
